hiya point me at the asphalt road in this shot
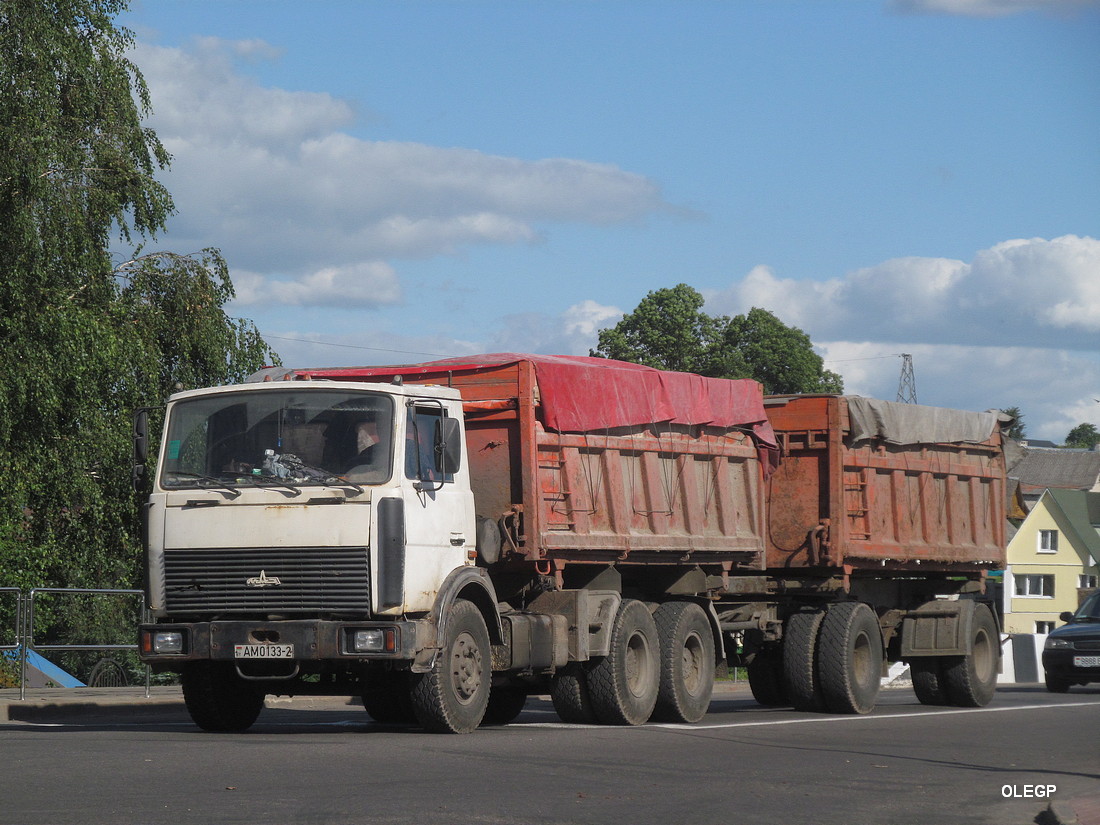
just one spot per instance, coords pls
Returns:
(906, 764)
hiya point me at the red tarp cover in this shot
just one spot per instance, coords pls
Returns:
(583, 394)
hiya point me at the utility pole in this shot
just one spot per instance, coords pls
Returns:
(907, 383)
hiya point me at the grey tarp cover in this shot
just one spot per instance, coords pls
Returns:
(898, 423)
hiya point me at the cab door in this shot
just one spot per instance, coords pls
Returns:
(438, 502)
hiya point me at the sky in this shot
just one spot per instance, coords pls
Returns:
(392, 182)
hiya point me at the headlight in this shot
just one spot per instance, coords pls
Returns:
(374, 640)
(168, 641)
(1054, 643)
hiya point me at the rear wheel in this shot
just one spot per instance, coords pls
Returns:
(766, 679)
(569, 693)
(452, 697)
(624, 684)
(687, 662)
(799, 644)
(971, 680)
(218, 699)
(506, 702)
(849, 658)
(927, 673)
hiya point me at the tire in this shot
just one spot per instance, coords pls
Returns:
(971, 680)
(927, 673)
(799, 644)
(849, 658)
(624, 684)
(505, 704)
(1056, 684)
(218, 700)
(687, 662)
(453, 696)
(387, 698)
(766, 680)
(569, 693)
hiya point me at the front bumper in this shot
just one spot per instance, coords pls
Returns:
(1059, 663)
(311, 640)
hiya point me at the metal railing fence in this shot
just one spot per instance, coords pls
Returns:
(24, 615)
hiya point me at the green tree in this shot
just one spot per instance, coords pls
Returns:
(669, 330)
(1083, 436)
(780, 357)
(83, 341)
(1017, 430)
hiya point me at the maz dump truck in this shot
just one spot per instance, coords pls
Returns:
(446, 539)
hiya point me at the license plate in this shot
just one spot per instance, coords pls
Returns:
(1086, 661)
(263, 651)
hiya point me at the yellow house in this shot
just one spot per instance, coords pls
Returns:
(1051, 558)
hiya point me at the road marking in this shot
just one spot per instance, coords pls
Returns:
(817, 719)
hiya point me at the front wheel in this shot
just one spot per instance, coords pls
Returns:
(1056, 684)
(453, 696)
(218, 700)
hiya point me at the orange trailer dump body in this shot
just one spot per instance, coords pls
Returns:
(599, 461)
(881, 486)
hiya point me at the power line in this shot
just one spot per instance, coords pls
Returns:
(350, 346)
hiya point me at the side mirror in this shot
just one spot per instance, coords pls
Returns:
(141, 447)
(448, 445)
(1066, 617)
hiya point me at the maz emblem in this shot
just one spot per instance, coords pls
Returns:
(263, 580)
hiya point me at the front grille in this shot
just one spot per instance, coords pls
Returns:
(1087, 644)
(312, 580)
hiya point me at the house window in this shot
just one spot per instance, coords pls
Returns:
(1036, 586)
(1086, 582)
(1044, 627)
(1048, 541)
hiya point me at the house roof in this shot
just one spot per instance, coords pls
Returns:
(1040, 468)
(1082, 512)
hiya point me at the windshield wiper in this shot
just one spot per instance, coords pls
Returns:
(272, 481)
(206, 482)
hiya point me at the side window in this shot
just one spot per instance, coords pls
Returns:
(421, 460)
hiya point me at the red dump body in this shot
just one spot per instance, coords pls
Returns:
(884, 486)
(601, 461)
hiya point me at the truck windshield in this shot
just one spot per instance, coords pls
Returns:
(279, 437)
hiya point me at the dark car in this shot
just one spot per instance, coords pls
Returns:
(1071, 655)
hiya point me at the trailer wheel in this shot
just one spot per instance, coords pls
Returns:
(218, 700)
(623, 685)
(452, 697)
(569, 693)
(506, 702)
(766, 680)
(687, 662)
(927, 673)
(971, 680)
(849, 658)
(799, 644)
(387, 698)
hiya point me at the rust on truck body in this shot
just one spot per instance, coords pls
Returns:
(659, 493)
(871, 504)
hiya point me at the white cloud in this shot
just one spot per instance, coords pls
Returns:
(1034, 292)
(989, 8)
(269, 176)
(573, 332)
(1054, 390)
